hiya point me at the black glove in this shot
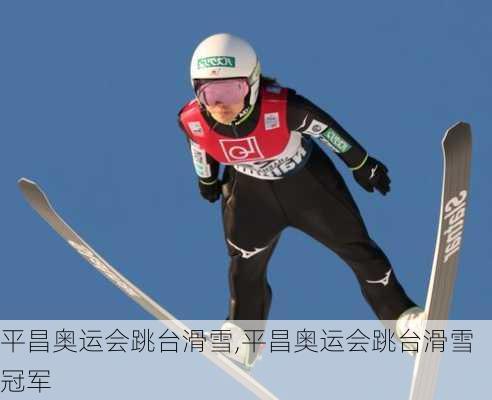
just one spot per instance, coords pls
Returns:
(210, 190)
(373, 174)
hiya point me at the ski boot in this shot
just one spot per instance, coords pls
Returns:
(411, 323)
(242, 352)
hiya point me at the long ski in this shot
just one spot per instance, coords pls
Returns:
(456, 146)
(40, 203)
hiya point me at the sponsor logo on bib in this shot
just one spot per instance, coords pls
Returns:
(245, 149)
(196, 128)
(272, 121)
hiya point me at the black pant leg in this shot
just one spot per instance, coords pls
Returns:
(253, 222)
(320, 204)
(251, 294)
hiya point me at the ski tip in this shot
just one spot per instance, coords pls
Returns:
(459, 129)
(34, 194)
(25, 181)
(459, 124)
(26, 184)
(29, 188)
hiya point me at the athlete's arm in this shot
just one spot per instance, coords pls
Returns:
(307, 118)
(207, 170)
(206, 167)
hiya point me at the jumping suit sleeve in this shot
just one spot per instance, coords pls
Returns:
(206, 168)
(307, 118)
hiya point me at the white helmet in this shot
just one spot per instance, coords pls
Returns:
(223, 56)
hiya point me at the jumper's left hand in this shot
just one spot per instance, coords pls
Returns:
(373, 175)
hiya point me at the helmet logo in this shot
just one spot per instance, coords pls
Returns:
(216, 61)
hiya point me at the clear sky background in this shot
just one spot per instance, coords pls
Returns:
(89, 93)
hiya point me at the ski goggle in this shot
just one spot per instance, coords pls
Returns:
(224, 91)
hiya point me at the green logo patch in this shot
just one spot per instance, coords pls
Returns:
(336, 140)
(216, 61)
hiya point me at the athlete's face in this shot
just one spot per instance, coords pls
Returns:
(223, 113)
(223, 98)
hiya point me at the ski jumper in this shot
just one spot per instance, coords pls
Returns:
(276, 176)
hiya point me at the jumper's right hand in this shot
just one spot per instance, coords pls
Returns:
(210, 190)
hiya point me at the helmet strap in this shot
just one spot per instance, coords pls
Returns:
(244, 114)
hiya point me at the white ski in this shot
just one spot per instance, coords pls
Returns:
(456, 146)
(39, 202)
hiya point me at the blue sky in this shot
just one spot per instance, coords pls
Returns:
(89, 93)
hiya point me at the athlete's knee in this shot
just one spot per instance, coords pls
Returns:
(361, 251)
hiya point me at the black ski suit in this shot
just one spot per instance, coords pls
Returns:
(262, 198)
